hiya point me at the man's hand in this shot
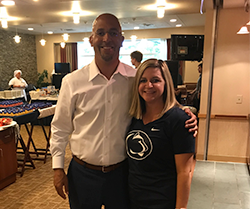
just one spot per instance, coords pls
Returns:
(191, 124)
(61, 182)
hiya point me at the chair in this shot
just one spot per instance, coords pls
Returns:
(183, 93)
(29, 88)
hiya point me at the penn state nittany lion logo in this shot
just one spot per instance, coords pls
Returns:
(138, 145)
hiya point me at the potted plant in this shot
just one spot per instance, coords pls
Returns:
(41, 82)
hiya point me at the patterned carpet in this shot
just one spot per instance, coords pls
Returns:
(34, 190)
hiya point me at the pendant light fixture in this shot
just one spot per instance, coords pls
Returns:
(62, 44)
(76, 10)
(160, 11)
(42, 41)
(244, 29)
(65, 37)
(17, 38)
(161, 6)
(3, 17)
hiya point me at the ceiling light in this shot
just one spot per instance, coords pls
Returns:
(3, 17)
(4, 23)
(76, 17)
(50, 32)
(160, 11)
(76, 10)
(243, 30)
(17, 38)
(30, 28)
(62, 44)
(173, 20)
(65, 37)
(43, 42)
(178, 25)
(8, 3)
(136, 27)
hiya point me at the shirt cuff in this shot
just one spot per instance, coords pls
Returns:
(58, 162)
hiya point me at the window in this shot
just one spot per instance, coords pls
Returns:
(150, 48)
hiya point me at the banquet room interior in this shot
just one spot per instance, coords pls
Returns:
(221, 179)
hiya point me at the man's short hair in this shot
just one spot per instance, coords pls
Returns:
(137, 55)
(200, 65)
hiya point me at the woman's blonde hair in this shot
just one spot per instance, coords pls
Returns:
(137, 107)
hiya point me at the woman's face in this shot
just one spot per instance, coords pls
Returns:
(18, 75)
(151, 85)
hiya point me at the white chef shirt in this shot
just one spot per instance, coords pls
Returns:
(92, 115)
(21, 82)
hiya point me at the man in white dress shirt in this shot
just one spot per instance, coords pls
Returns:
(92, 115)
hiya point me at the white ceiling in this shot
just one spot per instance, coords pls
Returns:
(48, 15)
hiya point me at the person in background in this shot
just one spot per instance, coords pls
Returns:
(92, 116)
(18, 83)
(197, 91)
(136, 58)
(178, 91)
(159, 147)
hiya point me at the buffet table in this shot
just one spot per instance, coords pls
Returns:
(32, 118)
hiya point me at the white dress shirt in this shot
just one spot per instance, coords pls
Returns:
(92, 115)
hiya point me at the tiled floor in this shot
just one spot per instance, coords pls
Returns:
(215, 186)
(218, 185)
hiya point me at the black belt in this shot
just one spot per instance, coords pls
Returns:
(104, 169)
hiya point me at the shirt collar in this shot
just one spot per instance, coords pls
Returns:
(94, 71)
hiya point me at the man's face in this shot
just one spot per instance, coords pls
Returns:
(106, 38)
(199, 69)
(133, 61)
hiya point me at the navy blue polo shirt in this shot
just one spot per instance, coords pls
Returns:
(151, 149)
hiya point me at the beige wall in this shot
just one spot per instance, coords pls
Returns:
(228, 136)
(232, 64)
(45, 54)
(191, 74)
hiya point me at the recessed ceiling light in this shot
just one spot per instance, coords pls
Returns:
(178, 25)
(50, 32)
(173, 20)
(136, 27)
(8, 3)
(30, 28)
